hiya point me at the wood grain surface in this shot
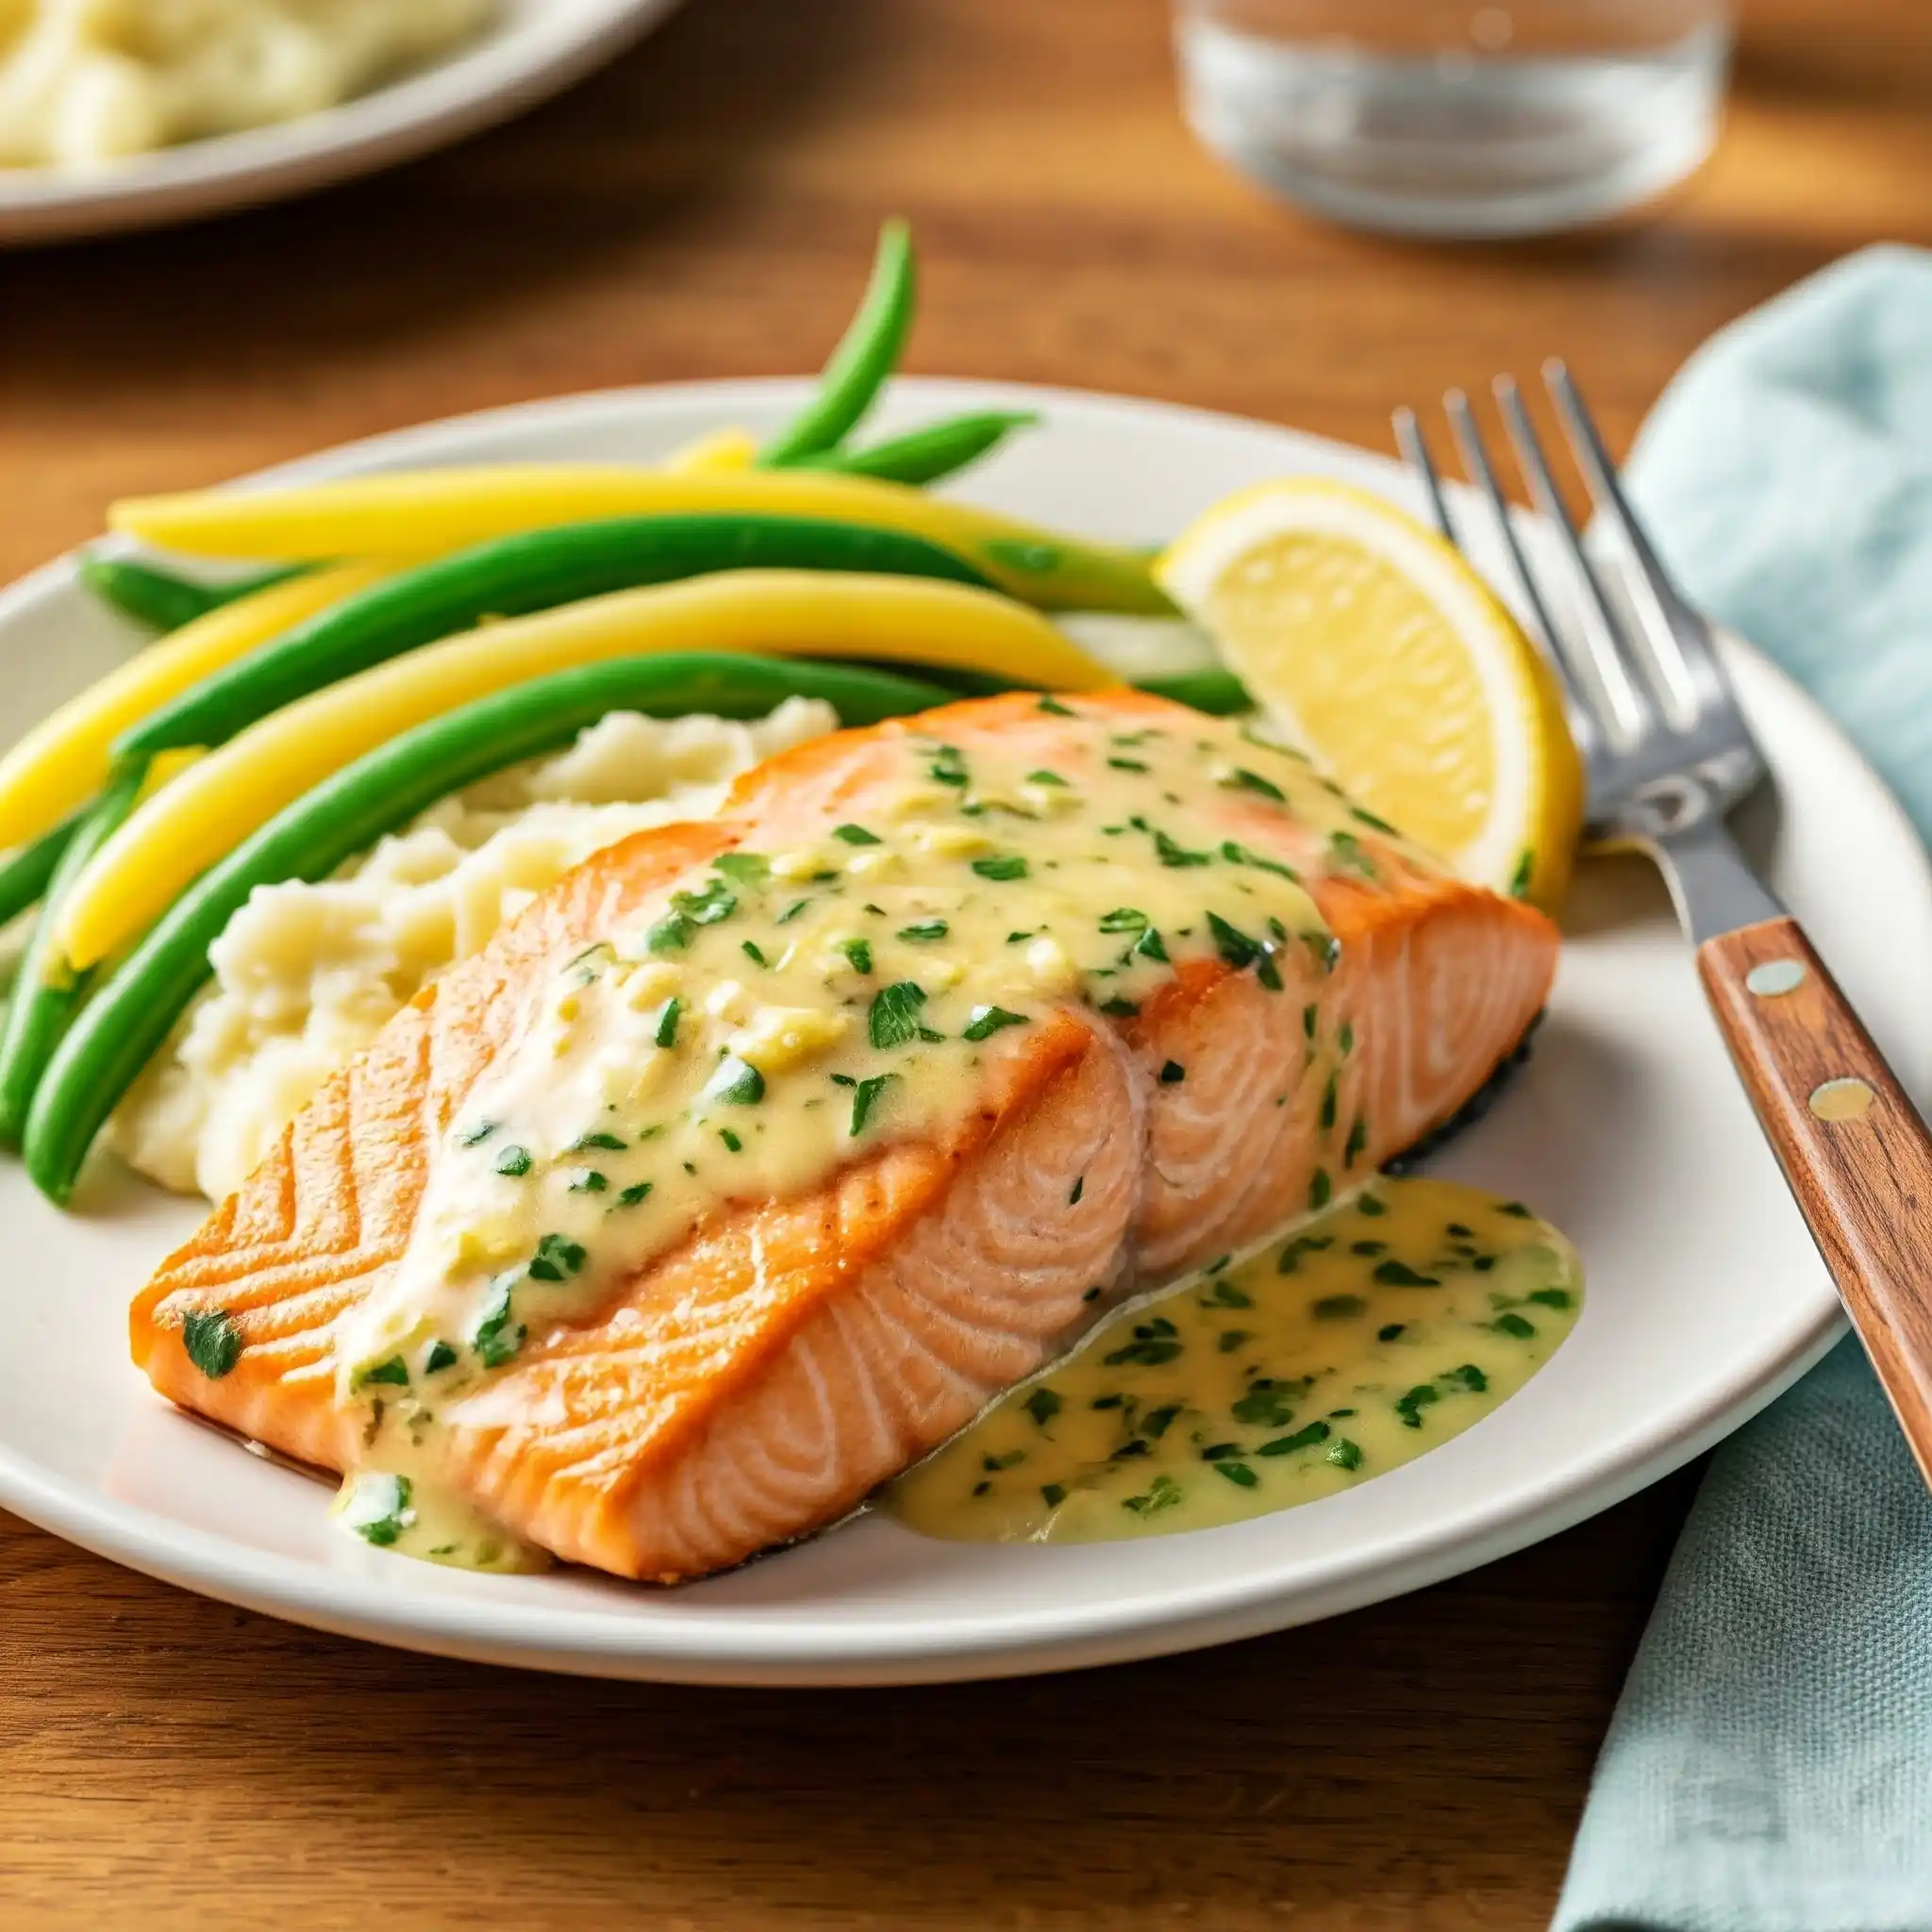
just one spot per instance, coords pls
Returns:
(703, 209)
(1853, 1146)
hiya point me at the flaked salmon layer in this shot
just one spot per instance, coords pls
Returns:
(761, 1379)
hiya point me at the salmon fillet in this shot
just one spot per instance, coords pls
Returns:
(758, 1380)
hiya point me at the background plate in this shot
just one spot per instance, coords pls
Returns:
(1628, 1129)
(539, 48)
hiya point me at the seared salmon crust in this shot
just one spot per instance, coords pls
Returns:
(760, 1379)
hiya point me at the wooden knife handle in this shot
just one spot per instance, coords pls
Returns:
(1853, 1147)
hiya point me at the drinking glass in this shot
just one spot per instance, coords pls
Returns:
(1457, 118)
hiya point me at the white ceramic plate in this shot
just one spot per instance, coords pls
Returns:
(539, 48)
(1627, 1128)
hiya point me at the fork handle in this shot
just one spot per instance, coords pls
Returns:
(1853, 1147)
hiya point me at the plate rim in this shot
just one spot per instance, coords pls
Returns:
(1030, 1639)
(475, 87)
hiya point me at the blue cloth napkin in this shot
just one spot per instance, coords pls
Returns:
(1770, 1767)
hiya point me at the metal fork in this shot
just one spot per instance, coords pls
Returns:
(1668, 752)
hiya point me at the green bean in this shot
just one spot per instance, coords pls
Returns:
(866, 355)
(47, 993)
(1219, 694)
(927, 456)
(164, 602)
(161, 599)
(956, 680)
(31, 871)
(127, 1021)
(512, 576)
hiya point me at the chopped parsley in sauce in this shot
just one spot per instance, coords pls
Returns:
(1248, 1371)
(212, 1340)
(861, 979)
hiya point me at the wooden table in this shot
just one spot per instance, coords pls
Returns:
(706, 208)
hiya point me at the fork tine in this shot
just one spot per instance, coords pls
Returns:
(1600, 472)
(1629, 713)
(1581, 702)
(1475, 461)
(1692, 655)
(1415, 453)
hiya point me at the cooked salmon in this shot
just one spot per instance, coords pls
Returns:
(776, 1357)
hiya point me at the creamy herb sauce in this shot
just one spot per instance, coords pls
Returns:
(415, 1516)
(798, 1007)
(1363, 1339)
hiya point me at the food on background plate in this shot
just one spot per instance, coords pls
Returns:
(618, 1167)
(753, 1159)
(84, 82)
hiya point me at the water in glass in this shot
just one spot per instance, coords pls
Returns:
(1456, 117)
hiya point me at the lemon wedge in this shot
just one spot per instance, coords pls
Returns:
(1373, 646)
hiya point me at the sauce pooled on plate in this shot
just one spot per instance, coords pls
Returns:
(1365, 1337)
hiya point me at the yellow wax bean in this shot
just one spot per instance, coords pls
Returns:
(430, 511)
(209, 810)
(723, 449)
(63, 761)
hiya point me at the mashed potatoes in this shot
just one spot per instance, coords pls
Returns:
(306, 975)
(87, 80)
